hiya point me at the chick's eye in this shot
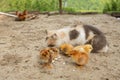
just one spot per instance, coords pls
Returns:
(44, 55)
(54, 50)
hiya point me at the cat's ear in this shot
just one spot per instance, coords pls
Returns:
(48, 32)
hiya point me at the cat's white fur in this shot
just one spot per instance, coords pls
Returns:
(79, 40)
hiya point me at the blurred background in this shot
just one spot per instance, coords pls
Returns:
(100, 6)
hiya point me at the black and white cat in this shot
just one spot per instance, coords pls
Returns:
(79, 35)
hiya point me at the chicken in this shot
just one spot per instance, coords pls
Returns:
(24, 16)
(80, 54)
(80, 58)
(84, 48)
(21, 16)
(66, 48)
(48, 55)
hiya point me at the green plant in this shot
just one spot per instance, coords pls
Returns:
(53, 5)
(69, 10)
(112, 5)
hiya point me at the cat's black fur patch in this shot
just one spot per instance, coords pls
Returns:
(99, 40)
(73, 34)
(88, 28)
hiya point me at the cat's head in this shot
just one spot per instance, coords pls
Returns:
(51, 38)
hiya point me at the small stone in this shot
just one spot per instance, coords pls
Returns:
(59, 56)
(63, 62)
(53, 61)
(61, 76)
(107, 79)
(115, 45)
(56, 58)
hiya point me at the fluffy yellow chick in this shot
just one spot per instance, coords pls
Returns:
(80, 58)
(66, 48)
(84, 48)
(80, 54)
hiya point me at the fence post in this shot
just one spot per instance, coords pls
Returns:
(60, 6)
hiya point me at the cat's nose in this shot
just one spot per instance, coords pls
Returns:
(51, 45)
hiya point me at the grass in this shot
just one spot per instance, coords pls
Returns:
(112, 6)
(39, 5)
(68, 5)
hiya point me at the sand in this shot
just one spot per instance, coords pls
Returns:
(20, 43)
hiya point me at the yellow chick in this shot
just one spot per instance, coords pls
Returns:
(80, 54)
(66, 48)
(80, 58)
(84, 48)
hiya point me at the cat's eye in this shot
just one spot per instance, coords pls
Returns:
(46, 38)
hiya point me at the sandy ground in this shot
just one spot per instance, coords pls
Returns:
(20, 43)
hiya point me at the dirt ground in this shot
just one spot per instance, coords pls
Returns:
(20, 43)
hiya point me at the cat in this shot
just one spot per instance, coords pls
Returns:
(79, 35)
